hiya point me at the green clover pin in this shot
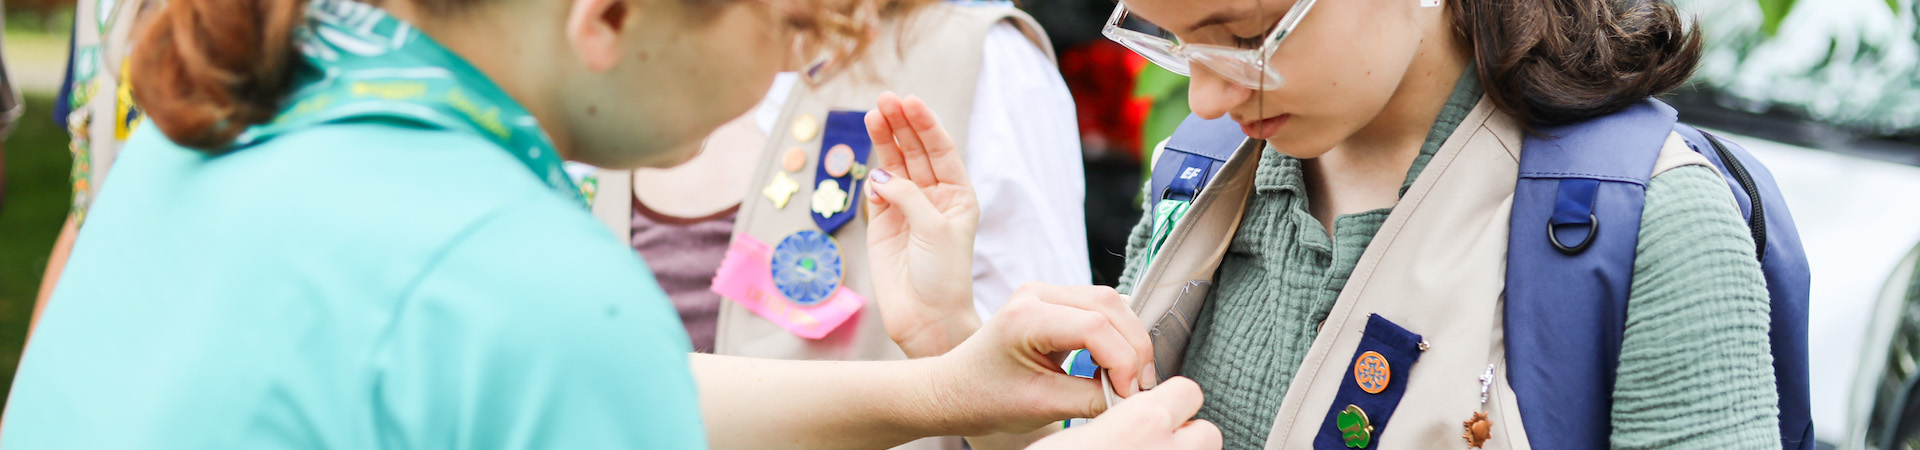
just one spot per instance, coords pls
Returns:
(1354, 427)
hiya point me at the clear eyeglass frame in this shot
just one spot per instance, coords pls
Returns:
(1243, 66)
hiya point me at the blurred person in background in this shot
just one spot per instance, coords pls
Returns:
(1021, 144)
(275, 268)
(756, 187)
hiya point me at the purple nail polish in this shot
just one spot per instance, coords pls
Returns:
(880, 176)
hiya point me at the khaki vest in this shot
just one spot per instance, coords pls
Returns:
(938, 59)
(1437, 267)
(103, 31)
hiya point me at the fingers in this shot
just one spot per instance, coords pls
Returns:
(1197, 435)
(942, 155)
(885, 154)
(1062, 327)
(912, 150)
(877, 207)
(925, 219)
(1160, 419)
(1164, 408)
(1119, 315)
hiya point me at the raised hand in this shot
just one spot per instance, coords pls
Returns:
(922, 216)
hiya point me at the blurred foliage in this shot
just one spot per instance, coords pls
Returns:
(1773, 12)
(1847, 63)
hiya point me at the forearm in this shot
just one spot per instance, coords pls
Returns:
(1010, 441)
(56, 263)
(762, 403)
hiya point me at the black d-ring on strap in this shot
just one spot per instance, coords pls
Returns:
(1593, 229)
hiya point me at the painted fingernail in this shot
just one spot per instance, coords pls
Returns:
(880, 176)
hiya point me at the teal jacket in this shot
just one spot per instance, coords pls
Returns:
(361, 285)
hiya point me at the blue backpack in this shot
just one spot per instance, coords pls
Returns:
(1568, 276)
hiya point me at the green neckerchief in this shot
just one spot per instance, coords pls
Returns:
(362, 64)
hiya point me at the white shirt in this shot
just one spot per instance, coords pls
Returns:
(1023, 155)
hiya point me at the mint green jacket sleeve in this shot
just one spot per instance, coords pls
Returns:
(531, 332)
(1696, 366)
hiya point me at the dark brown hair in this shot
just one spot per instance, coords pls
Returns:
(1556, 61)
(209, 69)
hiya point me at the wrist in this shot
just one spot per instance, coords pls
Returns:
(938, 338)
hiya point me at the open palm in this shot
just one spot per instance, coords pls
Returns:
(921, 227)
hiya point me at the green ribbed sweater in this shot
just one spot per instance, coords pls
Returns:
(1695, 364)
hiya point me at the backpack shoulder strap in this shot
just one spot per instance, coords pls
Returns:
(1575, 223)
(1195, 152)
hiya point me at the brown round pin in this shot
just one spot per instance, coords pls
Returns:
(1479, 429)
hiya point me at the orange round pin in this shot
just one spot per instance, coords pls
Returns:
(794, 160)
(1371, 372)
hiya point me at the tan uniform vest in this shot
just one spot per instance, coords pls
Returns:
(935, 54)
(1437, 267)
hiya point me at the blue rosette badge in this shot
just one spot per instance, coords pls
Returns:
(806, 267)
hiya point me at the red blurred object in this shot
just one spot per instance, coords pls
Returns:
(1101, 76)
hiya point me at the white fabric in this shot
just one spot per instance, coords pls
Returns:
(1024, 159)
(768, 113)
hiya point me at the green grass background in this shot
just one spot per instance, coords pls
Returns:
(34, 206)
(36, 191)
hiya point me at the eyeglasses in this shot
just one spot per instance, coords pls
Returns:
(1244, 66)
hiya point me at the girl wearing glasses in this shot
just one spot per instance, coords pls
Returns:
(347, 226)
(1380, 117)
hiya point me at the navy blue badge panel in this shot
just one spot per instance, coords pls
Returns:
(1371, 388)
